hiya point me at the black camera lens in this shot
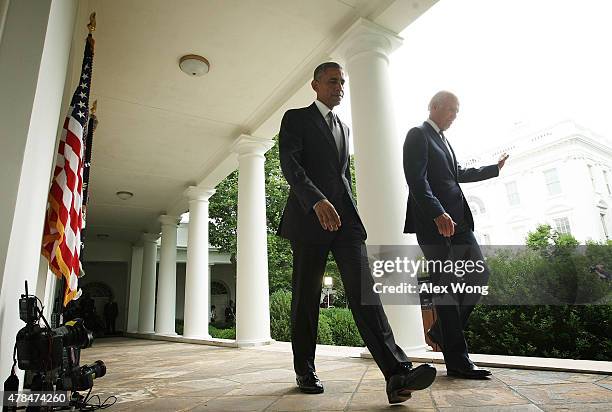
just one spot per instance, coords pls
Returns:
(96, 369)
(74, 333)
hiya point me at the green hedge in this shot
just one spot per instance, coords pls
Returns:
(344, 331)
(569, 332)
(229, 333)
(336, 325)
(214, 332)
(280, 315)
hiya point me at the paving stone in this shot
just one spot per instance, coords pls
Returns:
(565, 393)
(477, 397)
(515, 377)
(512, 408)
(371, 400)
(236, 404)
(165, 376)
(579, 407)
(304, 402)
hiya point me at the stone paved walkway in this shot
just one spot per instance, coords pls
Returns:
(152, 376)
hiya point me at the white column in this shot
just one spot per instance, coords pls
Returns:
(135, 283)
(146, 311)
(197, 277)
(165, 313)
(252, 293)
(49, 297)
(35, 40)
(365, 48)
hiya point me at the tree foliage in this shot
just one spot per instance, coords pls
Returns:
(223, 212)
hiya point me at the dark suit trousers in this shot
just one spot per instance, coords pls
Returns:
(309, 262)
(453, 309)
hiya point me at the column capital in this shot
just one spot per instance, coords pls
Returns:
(198, 193)
(251, 145)
(365, 36)
(169, 220)
(150, 237)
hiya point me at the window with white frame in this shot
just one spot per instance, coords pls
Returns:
(513, 194)
(562, 225)
(553, 185)
(591, 176)
(607, 182)
(476, 205)
(602, 216)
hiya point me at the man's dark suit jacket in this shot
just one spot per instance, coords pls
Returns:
(310, 163)
(433, 180)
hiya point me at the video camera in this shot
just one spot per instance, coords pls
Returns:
(50, 356)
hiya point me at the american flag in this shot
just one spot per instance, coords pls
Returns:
(62, 232)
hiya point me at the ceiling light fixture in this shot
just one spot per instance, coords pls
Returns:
(124, 195)
(194, 65)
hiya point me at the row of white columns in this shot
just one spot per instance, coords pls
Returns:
(252, 303)
(365, 50)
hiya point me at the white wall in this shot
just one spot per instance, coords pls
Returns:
(34, 51)
(115, 276)
(107, 251)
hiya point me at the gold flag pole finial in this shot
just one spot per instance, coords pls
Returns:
(94, 107)
(92, 22)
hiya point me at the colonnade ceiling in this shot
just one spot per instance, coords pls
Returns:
(161, 130)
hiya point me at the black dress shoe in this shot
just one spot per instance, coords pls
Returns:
(309, 383)
(401, 385)
(471, 372)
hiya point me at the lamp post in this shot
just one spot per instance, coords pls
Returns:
(328, 282)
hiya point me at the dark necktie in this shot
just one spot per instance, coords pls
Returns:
(450, 152)
(334, 126)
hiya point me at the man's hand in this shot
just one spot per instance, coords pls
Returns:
(446, 225)
(502, 160)
(328, 217)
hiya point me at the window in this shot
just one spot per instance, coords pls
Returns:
(512, 193)
(602, 216)
(562, 225)
(552, 182)
(217, 288)
(591, 176)
(607, 182)
(476, 205)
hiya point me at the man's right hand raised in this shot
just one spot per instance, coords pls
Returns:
(328, 217)
(446, 225)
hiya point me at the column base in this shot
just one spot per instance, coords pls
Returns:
(169, 334)
(409, 351)
(254, 342)
(201, 337)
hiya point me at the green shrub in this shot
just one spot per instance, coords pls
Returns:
(325, 334)
(343, 327)
(570, 332)
(280, 315)
(229, 333)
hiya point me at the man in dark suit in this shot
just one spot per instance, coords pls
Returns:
(441, 218)
(321, 216)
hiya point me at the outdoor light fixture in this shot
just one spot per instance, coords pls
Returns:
(124, 195)
(194, 65)
(328, 282)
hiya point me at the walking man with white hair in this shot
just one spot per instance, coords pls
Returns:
(441, 218)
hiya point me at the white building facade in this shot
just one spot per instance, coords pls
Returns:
(560, 175)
